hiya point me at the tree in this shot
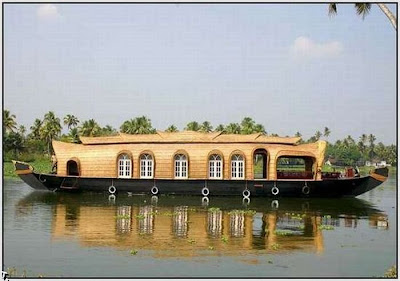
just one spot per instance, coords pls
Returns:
(73, 135)
(90, 128)
(35, 129)
(220, 128)
(192, 126)
(22, 130)
(233, 128)
(206, 127)
(258, 128)
(327, 132)
(172, 129)
(247, 126)
(318, 135)
(9, 123)
(14, 141)
(139, 125)
(363, 9)
(50, 130)
(108, 130)
(71, 121)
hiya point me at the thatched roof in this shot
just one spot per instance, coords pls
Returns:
(189, 136)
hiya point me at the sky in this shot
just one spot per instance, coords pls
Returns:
(290, 67)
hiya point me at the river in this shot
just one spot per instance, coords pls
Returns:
(92, 235)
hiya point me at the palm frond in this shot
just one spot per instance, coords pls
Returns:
(363, 9)
(332, 9)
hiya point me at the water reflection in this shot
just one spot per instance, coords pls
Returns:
(225, 225)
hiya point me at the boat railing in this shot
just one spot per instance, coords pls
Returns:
(295, 175)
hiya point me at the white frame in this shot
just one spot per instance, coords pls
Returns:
(181, 170)
(124, 166)
(215, 167)
(237, 167)
(146, 166)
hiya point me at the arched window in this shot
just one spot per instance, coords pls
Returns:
(181, 166)
(124, 166)
(215, 166)
(237, 166)
(146, 166)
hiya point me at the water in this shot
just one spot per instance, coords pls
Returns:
(92, 235)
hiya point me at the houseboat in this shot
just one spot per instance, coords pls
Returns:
(195, 163)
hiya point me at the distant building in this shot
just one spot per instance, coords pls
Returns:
(376, 163)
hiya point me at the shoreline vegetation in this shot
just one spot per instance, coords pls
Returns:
(35, 146)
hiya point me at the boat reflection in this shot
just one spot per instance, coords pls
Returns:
(182, 227)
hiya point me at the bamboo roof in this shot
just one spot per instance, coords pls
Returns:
(188, 137)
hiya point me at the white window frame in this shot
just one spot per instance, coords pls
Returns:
(124, 166)
(181, 169)
(237, 167)
(215, 167)
(146, 166)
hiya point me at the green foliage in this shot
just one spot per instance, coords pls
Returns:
(138, 125)
(192, 126)
(283, 232)
(90, 128)
(172, 128)
(326, 227)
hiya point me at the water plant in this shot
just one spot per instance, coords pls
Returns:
(133, 252)
(224, 239)
(275, 246)
(123, 217)
(326, 227)
(211, 248)
(214, 209)
(283, 232)
(140, 217)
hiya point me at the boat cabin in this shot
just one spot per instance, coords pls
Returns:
(191, 155)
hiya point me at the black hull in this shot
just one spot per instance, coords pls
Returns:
(258, 188)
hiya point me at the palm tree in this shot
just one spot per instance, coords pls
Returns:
(108, 130)
(220, 128)
(71, 121)
(51, 129)
(139, 125)
(233, 128)
(90, 128)
(74, 135)
(192, 126)
(9, 123)
(35, 129)
(318, 135)
(22, 130)
(363, 9)
(247, 126)
(258, 128)
(206, 127)
(327, 132)
(363, 138)
(172, 129)
(371, 140)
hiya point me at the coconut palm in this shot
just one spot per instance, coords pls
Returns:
(51, 129)
(108, 130)
(192, 126)
(363, 138)
(206, 127)
(90, 128)
(363, 9)
(318, 135)
(247, 126)
(327, 132)
(9, 123)
(71, 121)
(233, 128)
(220, 128)
(139, 125)
(172, 129)
(74, 135)
(22, 130)
(35, 129)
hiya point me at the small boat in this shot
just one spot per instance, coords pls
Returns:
(194, 163)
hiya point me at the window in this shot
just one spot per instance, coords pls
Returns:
(181, 166)
(215, 166)
(237, 164)
(124, 166)
(146, 166)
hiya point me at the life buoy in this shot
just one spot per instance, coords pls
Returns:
(275, 204)
(305, 190)
(111, 197)
(246, 193)
(275, 190)
(205, 191)
(112, 189)
(154, 199)
(205, 200)
(154, 190)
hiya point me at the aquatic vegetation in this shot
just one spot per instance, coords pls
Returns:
(391, 272)
(275, 246)
(192, 241)
(326, 227)
(283, 232)
(214, 209)
(140, 217)
(123, 217)
(224, 239)
(211, 248)
(242, 212)
(133, 252)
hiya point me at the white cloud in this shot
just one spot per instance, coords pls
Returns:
(48, 11)
(305, 48)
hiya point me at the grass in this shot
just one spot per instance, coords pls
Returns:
(42, 165)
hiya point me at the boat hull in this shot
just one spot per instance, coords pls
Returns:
(350, 187)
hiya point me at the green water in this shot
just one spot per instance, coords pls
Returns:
(92, 235)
